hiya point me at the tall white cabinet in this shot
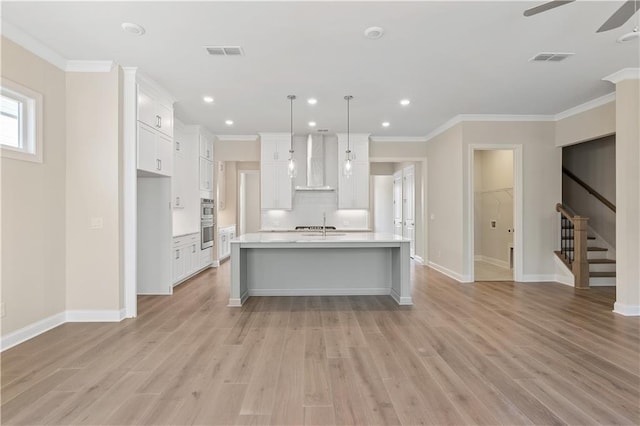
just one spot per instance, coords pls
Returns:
(404, 195)
(275, 184)
(353, 191)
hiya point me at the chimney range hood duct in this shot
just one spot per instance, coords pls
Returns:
(315, 165)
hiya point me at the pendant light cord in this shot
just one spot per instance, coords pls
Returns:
(291, 98)
(348, 99)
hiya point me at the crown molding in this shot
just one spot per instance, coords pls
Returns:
(243, 138)
(594, 103)
(89, 66)
(398, 139)
(505, 117)
(18, 36)
(624, 74)
(444, 127)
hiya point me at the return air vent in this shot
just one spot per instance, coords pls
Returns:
(550, 57)
(224, 50)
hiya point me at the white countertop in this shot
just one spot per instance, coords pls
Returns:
(316, 237)
(333, 230)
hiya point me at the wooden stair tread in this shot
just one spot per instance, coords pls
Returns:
(602, 261)
(602, 274)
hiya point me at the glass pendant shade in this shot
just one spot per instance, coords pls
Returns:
(292, 168)
(347, 169)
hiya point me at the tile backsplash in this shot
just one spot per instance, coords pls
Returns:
(308, 207)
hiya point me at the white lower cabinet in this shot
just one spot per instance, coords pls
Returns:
(187, 257)
(225, 235)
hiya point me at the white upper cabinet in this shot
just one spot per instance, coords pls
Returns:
(206, 147)
(154, 111)
(206, 175)
(155, 152)
(353, 191)
(275, 146)
(275, 184)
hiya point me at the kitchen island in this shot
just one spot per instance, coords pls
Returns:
(311, 264)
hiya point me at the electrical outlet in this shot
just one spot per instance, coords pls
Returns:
(2, 310)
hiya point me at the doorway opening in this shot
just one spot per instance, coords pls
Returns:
(493, 214)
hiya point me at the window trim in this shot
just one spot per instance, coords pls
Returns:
(32, 122)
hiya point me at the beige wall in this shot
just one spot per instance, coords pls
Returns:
(381, 169)
(628, 197)
(237, 150)
(390, 150)
(444, 199)
(33, 203)
(228, 216)
(591, 124)
(93, 191)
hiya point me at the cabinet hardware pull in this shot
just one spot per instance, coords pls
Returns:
(178, 254)
(177, 201)
(160, 122)
(194, 249)
(159, 164)
(207, 153)
(177, 146)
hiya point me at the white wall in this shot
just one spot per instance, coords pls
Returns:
(93, 191)
(595, 163)
(33, 203)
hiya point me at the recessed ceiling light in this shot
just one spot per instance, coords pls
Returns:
(312, 101)
(228, 122)
(132, 28)
(385, 124)
(208, 99)
(312, 124)
(405, 102)
(373, 33)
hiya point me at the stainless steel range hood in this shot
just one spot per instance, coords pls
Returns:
(315, 165)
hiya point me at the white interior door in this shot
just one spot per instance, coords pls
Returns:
(383, 204)
(397, 203)
(408, 207)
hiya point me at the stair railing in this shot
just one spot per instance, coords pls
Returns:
(573, 245)
(589, 189)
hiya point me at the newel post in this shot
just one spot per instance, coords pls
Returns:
(580, 264)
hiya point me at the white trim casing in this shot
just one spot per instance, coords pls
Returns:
(626, 310)
(418, 259)
(578, 109)
(95, 315)
(32, 123)
(398, 139)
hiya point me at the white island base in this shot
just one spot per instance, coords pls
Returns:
(292, 264)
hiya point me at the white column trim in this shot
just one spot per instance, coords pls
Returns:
(623, 74)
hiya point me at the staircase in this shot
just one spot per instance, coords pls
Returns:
(582, 254)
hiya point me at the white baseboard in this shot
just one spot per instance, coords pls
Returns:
(404, 301)
(215, 264)
(320, 292)
(39, 327)
(418, 259)
(563, 279)
(31, 331)
(95, 316)
(626, 310)
(492, 261)
(451, 274)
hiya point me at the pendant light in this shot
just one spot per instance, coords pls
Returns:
(347, 169)
(292, 168)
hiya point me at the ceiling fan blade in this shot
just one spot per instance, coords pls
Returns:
(621, 16)
(546, 6)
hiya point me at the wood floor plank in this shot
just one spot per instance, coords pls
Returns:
(484, 353)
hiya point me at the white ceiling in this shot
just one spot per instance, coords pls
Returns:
(449, 58)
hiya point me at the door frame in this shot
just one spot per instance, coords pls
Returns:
(518, 206)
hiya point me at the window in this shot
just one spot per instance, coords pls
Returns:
(20, 122)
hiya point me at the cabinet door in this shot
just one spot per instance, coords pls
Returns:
(221, 185)
(146, 108)
(275, 147)
(178, 264)
(191, 259)
(360, 149)
(408, 210)
(206, 174)
(164, 115)
(268, 186)
(206, 147)
(164, 152)
(397, 203)
(284, 184)
(147, 159)
(361, 185)
(346, 191)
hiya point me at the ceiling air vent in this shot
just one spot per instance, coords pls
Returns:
(550, 57)
(224, 50)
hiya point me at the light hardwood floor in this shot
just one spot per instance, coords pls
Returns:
(484, 353)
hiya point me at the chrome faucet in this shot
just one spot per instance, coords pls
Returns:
(324, 225)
